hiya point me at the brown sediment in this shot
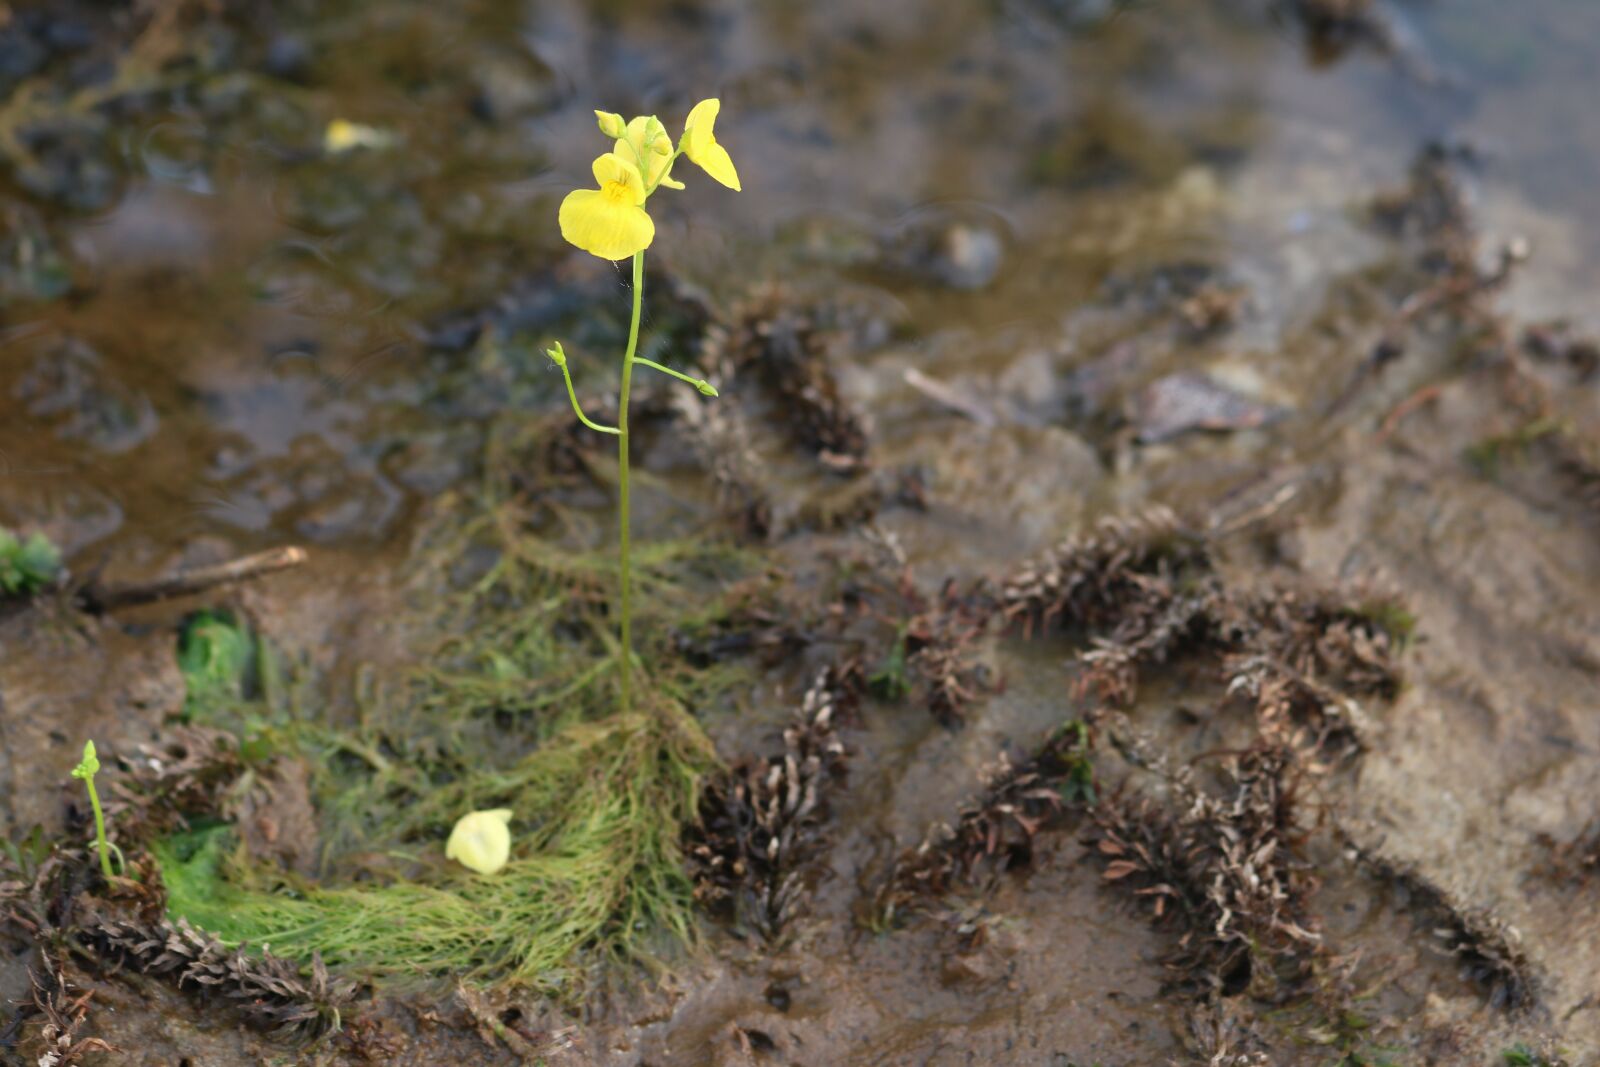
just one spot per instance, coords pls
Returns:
(721, 440)
(1482, 760)
(1487, 950)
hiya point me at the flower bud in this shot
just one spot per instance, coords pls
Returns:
(611, 123)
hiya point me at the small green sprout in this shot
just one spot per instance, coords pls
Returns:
(890, 681)
(86, 769)
(27, 566)
(1521, 1055)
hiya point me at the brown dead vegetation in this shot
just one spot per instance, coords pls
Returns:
(996, 832)
(761, 826)
(1223, 866)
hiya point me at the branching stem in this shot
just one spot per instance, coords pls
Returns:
(701, 384)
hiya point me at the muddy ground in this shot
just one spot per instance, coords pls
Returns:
(1159, 460)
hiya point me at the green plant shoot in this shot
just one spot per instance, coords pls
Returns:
(611, 222)
(86, 769)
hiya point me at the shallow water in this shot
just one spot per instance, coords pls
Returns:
(220, 338)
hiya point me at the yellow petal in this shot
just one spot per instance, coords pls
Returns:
(697, 128)
(604, 227)
(645, 136)
(714, 160)
(700, 143)
(660, 166)
(612, 167)
(481, 840)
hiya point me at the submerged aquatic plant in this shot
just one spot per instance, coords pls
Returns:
(611, 222)
(216, 654)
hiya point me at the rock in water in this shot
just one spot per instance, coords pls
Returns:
(1171, 406)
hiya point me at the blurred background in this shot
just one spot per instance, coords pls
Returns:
(218, 326)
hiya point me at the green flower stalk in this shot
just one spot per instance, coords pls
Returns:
(86, 769)
(611, 222)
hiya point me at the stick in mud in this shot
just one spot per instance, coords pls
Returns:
(97, 599)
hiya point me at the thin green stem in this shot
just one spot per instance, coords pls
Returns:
(625, 653)
(99, 828)
(699, 383)
(560, 358)
(87, 768)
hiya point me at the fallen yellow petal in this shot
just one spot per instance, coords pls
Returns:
(342, 135)
(481, 840)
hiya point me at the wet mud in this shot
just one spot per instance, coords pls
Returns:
(1136, 601)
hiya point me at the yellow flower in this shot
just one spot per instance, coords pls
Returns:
(611, 123)
(609, 222)
(481, 840)
(700, 143)
(646, 140)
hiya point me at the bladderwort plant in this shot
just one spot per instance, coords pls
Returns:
(86, 769)
(611, 222)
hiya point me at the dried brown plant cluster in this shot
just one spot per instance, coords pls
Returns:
(1548, 361)
(1219, 1033)
(1145, 590)
(1430, 216)
(190, 771)
(1223, 866)
(780, 348)
(1216, 853)
(63, 1010)
(996, 831)
(270, 992)
(761, 826)
(940, 637)
(1117, 581)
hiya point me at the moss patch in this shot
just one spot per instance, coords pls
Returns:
(27, 565)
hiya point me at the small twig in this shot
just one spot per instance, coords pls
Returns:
(1427, 394)
(97, 599)
(941, 393)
